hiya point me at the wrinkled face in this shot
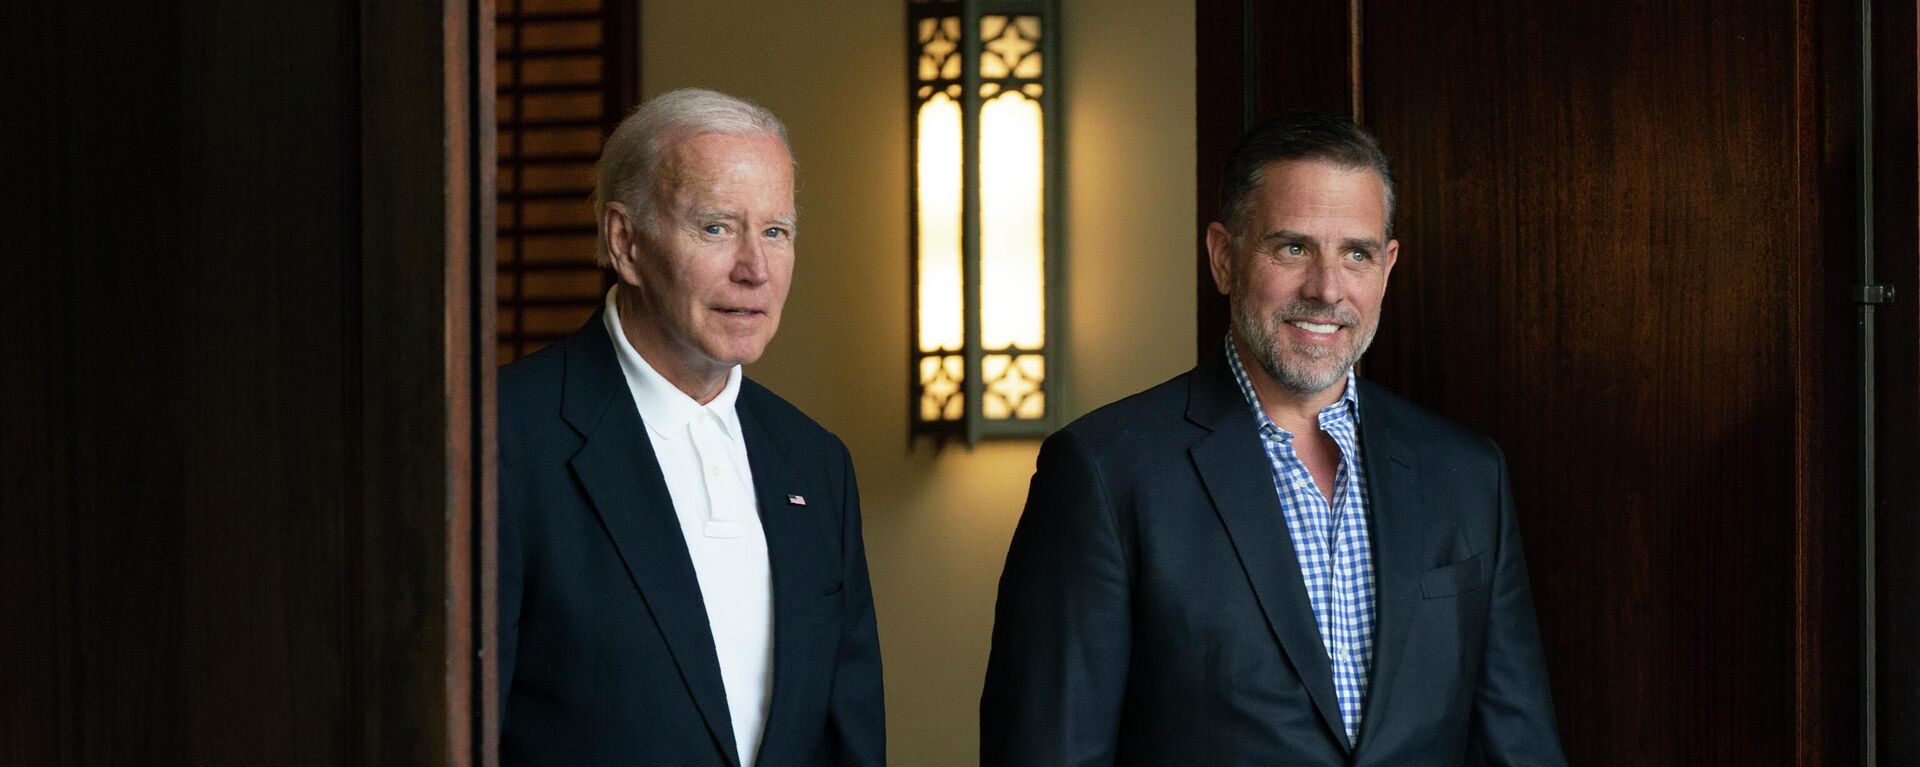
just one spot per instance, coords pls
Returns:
(713, 272)
(1306, 278)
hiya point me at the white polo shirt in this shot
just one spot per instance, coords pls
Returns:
(703, 456)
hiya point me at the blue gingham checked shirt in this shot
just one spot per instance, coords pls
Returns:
(1335, 553)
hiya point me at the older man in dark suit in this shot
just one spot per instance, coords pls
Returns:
(682, 578)
(1267, 560)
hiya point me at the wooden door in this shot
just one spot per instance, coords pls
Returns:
(246, 293)
(1629, 236)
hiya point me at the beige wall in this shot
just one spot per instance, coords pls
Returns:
(938, 524)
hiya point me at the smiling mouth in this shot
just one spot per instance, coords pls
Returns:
(740, 312)
(1314, 327)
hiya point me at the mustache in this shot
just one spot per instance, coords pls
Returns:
(1316, 312)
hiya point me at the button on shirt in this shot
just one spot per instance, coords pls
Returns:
(703, 457)
(1331, 542)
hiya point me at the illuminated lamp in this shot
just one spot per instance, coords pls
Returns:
(983, 97)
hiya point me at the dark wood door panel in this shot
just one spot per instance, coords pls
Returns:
(1595, 265)
(244, 414)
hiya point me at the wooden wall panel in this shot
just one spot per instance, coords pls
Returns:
(240, 415)
(1828, 553)
(1595, 268)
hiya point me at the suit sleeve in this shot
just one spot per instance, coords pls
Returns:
(857, 713)
(1057, 672)
(510, 589)
(1513, 721)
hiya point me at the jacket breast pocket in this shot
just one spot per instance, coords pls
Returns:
(1450, 580)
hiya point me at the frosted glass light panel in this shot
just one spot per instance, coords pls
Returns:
(939, 273)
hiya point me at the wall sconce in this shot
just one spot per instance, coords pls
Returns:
(983, 91)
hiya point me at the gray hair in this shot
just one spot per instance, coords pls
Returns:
(629, 167)
(1296, 135)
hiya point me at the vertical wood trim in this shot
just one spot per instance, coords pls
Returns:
(420, 452)
(353, 417)
(457, 378)
(481, 371)
(622, 36)
(1356, 75)
(1809, 306)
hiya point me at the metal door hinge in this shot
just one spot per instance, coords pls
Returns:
(1873, 294)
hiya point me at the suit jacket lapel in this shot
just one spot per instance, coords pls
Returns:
(621, 474)
(1234, 467)
(787, 552)
(1396, 525)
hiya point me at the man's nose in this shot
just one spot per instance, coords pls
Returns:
(1323, 281)
(750, 261)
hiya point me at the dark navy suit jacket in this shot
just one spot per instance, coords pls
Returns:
(606, 654)
(1152, 610)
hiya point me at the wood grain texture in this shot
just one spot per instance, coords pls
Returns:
(484, 405)
(1595, 254)
(1826, 370)
(228, 461)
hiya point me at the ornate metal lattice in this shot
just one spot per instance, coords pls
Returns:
(1014, 386)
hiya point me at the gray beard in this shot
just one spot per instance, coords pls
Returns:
(1299, 380)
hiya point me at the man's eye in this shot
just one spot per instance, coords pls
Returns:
(714, 229)
(1293, 249)
(774, 233)
(1357, 255)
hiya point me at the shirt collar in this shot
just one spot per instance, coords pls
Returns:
(1347, 408)
(665, 409)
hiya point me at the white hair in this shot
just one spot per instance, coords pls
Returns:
(629, 167)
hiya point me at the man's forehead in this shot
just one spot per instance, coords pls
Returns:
(719, 176)
(1315, 188)
(711, 145)
(1294, 173)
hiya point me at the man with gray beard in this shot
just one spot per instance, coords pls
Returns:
(1269, 560)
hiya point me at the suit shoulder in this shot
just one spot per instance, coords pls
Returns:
(530, 394)
(1146, 415)
(1428, 430)
(783, 417)
(532, 378)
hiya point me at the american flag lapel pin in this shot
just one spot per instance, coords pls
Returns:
(796, 500)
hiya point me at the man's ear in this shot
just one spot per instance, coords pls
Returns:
(1393, 257)
(623, 242)
(1220, 256)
